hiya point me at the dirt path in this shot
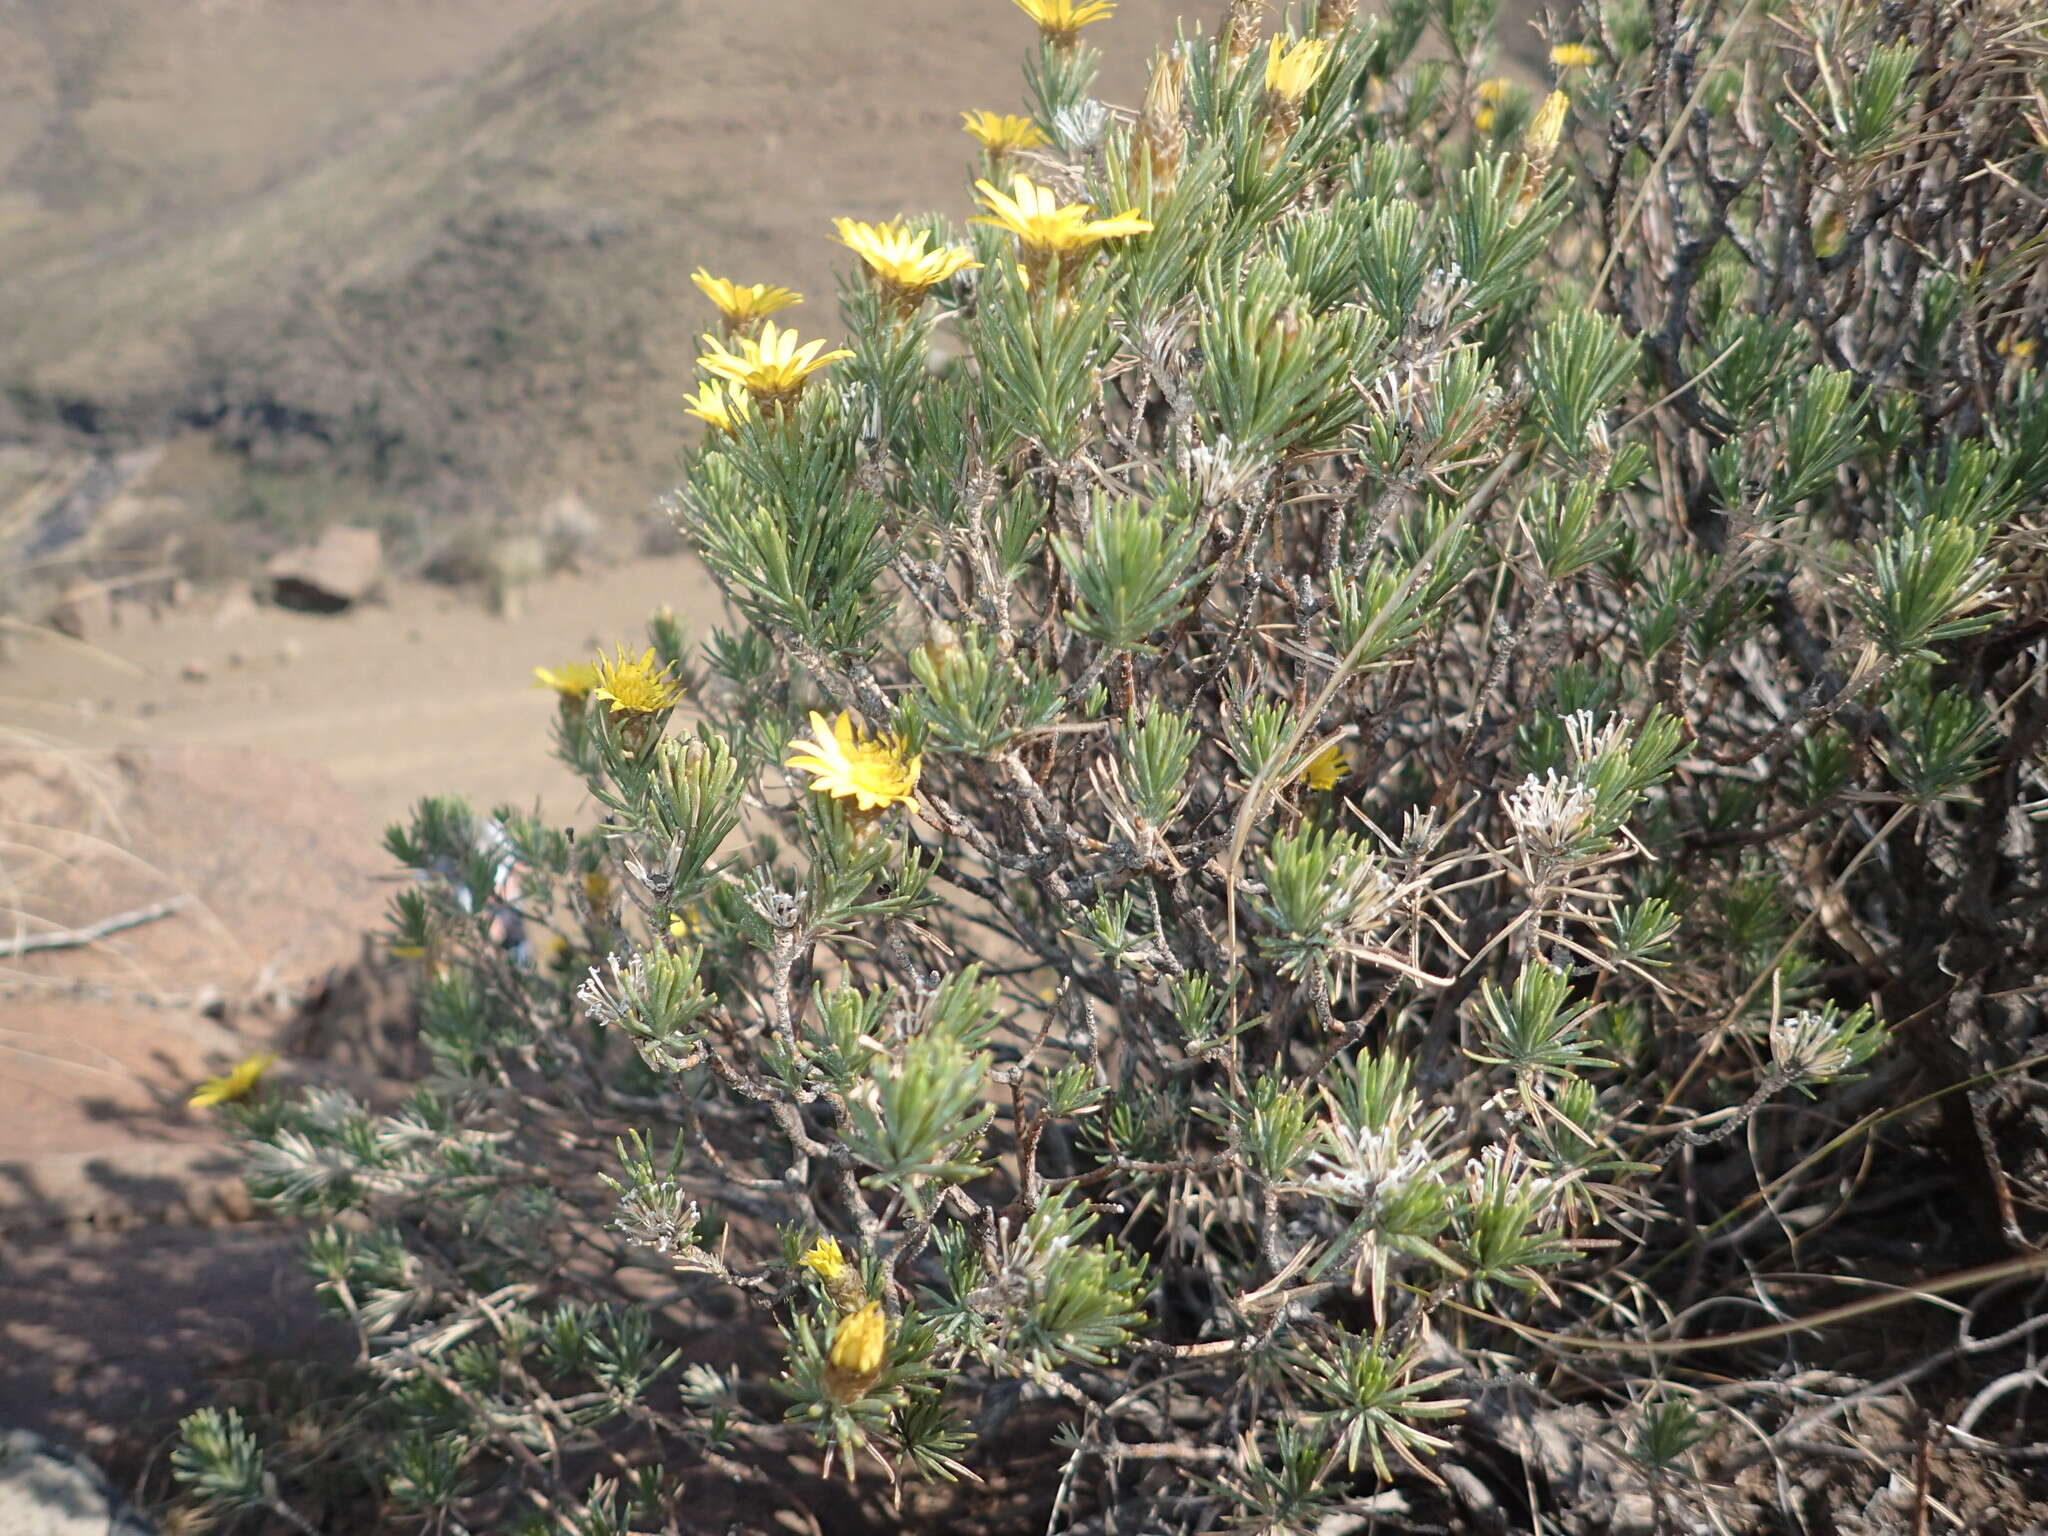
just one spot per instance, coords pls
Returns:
(423, 693)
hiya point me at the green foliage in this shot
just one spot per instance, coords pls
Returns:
(978, 700)
(218, 1459)
(1130, 570)
(1655, 541)
(1577, 365)
(1376, 1403)
(1156, 754)
(1535, 1029)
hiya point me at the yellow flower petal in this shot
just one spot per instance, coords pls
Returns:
(874, 773)
(1292, 68)
(1326, 769)
(573, 682)
(635, 687)
(897, 257)
(1003, 133)
(824, 1259)
(860, 1341)
(1540, 138)
(772, 368)
(1060, 21)
(719, 405)
(238, 1082)
(742, 304)
(1046, 228)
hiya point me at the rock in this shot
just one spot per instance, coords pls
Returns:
(195, 671)
(44, 1492)
(342, 569)
(84, 611)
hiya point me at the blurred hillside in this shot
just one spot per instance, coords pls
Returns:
(387, 259)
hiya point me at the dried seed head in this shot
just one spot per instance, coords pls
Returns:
(1334, 17)
(1160, 141)
(1222, 472)
(1550, 815)
(1080, 128)
(1241, 30)
(1808, 1047)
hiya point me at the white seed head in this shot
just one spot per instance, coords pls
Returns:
(1079, 128)
(1807, 1047)
(606, 1003)
(1590, 743)
(1367, 1166)
(1222, 473)
(1550, 815)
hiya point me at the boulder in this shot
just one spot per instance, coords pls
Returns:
(44, 1492)
(84, 611)
(341, 569)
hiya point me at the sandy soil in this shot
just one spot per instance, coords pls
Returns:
(423, 692)
(440, 249)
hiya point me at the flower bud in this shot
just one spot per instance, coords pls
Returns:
(841, 1279)
(859, 1345)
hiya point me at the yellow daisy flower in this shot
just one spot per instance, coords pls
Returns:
(635, 686)
(572, 683)
(237, 1083)
(2019, 348)
(873, 772)
(1292, 68)
(1046, 228)
(824, 1259)
(743, 303)
(1495, 91)
(723, 408)
(1574, 56)
(773, 369)
(896, 255)
(859, 1345)
(1326, 770)
(1003, 133)
(1061, 21)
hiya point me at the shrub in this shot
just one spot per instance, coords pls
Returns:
(1334, 847)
